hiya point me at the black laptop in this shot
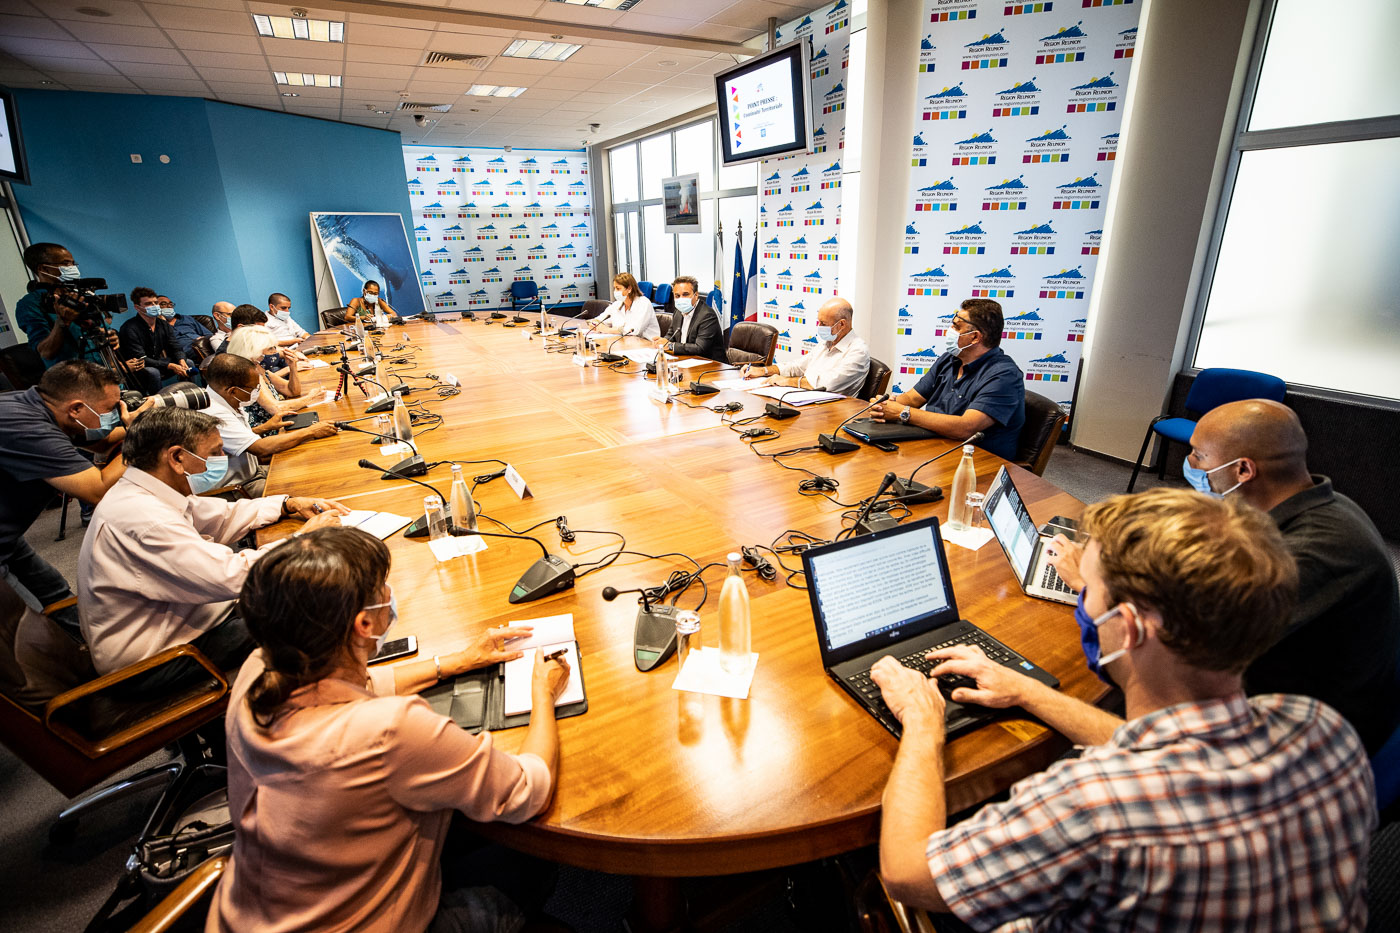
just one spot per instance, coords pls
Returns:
(868, 430)
(890, 593)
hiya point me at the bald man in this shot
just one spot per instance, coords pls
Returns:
(1343, 642)
(221, 312)
(839, 364)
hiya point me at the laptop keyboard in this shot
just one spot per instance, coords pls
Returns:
(867, 687)
(1050, 580)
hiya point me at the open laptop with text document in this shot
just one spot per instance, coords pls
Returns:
(890, 593)
(1022, 542)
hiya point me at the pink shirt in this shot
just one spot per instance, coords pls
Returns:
(340, 808)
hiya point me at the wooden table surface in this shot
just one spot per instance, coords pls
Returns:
(652, 781)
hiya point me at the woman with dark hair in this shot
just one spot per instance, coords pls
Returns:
(342, 782)
(631, 313)
(368, 303)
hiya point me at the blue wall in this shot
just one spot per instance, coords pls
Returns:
(226, 219)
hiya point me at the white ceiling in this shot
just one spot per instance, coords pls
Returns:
(210, 48)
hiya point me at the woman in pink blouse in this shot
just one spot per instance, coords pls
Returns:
(342, 782)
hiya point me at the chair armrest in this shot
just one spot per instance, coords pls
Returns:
(65, 603)
(909, 919)
(222, 491)
(153, 723)
(197, 885)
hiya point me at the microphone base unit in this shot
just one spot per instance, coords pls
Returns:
(545, 577)
(780, 412)
(875, 521)
(907, 490)
(835, 445)
(700, 388)
(418, 528)
(654, 638)
(408, 466)
(380, 403)
(613, 358)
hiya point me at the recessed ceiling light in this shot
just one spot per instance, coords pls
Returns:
(91, 11)
(546, 51)
(290, 94)
(285, 27)
(556, 36)
(666, 63)
(475, 109)
(306, 79)
(494, 90)
(603, 4)
(46, 82)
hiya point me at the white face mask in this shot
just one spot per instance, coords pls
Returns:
(953, 338)
(618, 294)
(253, 400)
(393, 605)
(372, 299)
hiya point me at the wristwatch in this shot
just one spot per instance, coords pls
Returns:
(904, 415)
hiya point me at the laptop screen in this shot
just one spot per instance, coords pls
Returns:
(877, 584)
(1011, 523)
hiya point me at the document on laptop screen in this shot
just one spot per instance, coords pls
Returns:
(1016, 533)
(878, 585)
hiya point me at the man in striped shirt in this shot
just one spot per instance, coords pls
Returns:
(1206, 810)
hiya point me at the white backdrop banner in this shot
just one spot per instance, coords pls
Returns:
(485, 218)
(1012, 157)
(799, 214)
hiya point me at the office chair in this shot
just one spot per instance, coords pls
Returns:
(646, 288)
(523, 295)
(661, 295)
(751, 342)
(186, 907)
(207, 321)
(592, 308)
(1212, 388)
(663, 318)
(334, 317)
(1040, 433)
(877, 380)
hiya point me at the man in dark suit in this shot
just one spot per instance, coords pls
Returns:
(695, 329)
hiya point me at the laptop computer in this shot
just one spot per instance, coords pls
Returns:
(890, 593)
(1022, 543)
(868, 429)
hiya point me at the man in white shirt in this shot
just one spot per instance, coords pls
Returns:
(840, 362)
(156, 568)
(221, 312)
(279, 320)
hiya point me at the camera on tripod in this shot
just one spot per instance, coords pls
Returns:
(91, 310)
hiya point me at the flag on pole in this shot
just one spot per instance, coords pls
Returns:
(719, 279)
(751, 287)
(736, 294)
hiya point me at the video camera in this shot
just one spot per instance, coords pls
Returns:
(80, 295)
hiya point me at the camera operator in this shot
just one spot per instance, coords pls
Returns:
(148, 334)
(48, 315)
(76, 403)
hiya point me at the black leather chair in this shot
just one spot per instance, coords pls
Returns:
(592, 308)
(21, 365)
(334, 317)
(877, 380)
(751, 342)
(1040, 433)
(664, 319)
(208, 321)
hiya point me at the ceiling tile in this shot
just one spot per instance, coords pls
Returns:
(26, 49)
(401, 38)
(587, 15)
(750, 14)
(193, 88)
(376, 55)
(438, 88)
(148, 36)
(73, 65)
(299, 48)
(109, 82)
(213, 42)
(200, 59)
(147, 69)
(725, 33)
(361, 83)
(240, 75)
(31, 27)
(665, 25)
(312, 66)
(464, 44)
(136, 53)
(691, 81)
(203, 4)
(367, 70)
(123, 12)
(202, 20)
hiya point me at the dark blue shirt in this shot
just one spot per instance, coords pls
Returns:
(993, 384)
(37, 324)
(187, 331)
(33, 448)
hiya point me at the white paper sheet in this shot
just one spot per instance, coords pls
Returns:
(640, 354)
(737, 383)
(520, 671)
(379, 524)
(702, 674)
(457, 546)
(691, 364)
(398, 447)
(795, 397)
(548, 630)
(970, 538)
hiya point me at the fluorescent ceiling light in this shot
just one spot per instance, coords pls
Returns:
(533, 48)
(603, 4)
(495, 90)
(305, 79)
(287, 27)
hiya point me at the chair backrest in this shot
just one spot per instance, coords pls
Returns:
(334, 317)
(592, 308)
(877, 380)
(751, 342)
(200, 349)
(661, 295)
(1039, 434)
(207, 320)
(663, 318)
(1215, 387)
(526, 289)
(645, 288)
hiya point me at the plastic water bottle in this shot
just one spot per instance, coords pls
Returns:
(663, 376)
(403, 424)
(463, 509)
(437, 518)
(964, 482)
(735, 633)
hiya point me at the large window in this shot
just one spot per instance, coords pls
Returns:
(728, 196)
(1302, 281)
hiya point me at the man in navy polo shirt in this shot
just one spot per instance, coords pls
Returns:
(973, 387)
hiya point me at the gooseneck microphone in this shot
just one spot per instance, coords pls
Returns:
(379, 439)
(419, 528)
(610, 593)
(654, 635)
(833, 443)
(907, 490)
(865, 522)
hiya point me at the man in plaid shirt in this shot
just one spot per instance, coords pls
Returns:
(1206, 810)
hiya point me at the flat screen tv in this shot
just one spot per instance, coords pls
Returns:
(765, 106)
(12, 164)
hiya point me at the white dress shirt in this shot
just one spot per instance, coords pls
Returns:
(840, 367)
(638, 321)
(237, 437)
(156, 569)
(285, 330)
(217, 340)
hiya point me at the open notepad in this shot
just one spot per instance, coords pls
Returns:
(379, 524)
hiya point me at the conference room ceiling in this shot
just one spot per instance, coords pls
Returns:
(635, 68)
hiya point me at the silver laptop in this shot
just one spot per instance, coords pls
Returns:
(1022, 543)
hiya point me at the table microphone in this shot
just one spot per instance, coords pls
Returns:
(833, 443)
(777, 412)
(379, 439)
(419, 528)
(907, 490)
(865, 521)
(654, 635)
(387, 402)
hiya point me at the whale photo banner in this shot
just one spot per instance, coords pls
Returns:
(799, 212)
(484, 218)
(1014, 147)
(364, 247)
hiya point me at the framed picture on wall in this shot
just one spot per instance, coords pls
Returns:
(681, 196)
(356, 248)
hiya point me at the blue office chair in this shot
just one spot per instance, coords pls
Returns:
(1212, 388)
(646, 289)
(661, 295)
(523, 295)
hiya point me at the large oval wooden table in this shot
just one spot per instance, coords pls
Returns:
(651, 782)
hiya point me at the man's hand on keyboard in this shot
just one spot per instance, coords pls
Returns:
(997, 687)
(1064, 555)
(908, 693)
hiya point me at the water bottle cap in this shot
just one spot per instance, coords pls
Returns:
(968, 448)
(456, 468)
(735, 557)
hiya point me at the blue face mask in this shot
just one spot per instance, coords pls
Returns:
(105, 424)
(684, 304)
(167, 313)
(215, 469)
(825, 334)
(1089, 638)
(1200, 479)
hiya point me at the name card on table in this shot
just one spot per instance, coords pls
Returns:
(517, 483)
